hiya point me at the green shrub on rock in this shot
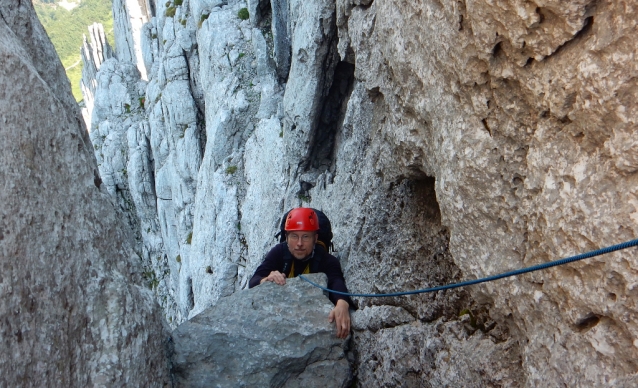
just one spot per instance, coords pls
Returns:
(243, 14)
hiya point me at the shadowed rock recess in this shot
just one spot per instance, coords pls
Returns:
(446, 141)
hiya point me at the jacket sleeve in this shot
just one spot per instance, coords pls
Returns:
(332, 268)
(274, 261)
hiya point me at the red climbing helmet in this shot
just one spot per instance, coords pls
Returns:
(302, 219)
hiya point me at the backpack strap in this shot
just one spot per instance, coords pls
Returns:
(316, 260)
(287, 260)
(319, 242)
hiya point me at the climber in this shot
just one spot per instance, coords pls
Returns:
(302, 254)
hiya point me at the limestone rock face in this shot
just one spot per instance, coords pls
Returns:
(438, 354)
(270, 335)
(506, 108)
(94, 52)
(445, 140)
(128, 18)
(74, 312)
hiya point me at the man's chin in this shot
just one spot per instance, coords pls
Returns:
(299, 256)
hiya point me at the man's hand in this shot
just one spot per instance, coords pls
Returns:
(279, 278)
(341, 315)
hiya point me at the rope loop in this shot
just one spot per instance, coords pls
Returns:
(521, 271)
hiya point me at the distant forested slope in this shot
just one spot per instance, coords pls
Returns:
(65, 28)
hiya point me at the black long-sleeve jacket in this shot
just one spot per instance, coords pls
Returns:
(324, 262)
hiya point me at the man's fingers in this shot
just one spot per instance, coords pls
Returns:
(342, 318)
(345, 327)
(342, 326)
(343, 331)
(277, 277)
(281, 279)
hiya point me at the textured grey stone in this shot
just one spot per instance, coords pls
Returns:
(376, 317)
(313, 42)
(74, 312)
(281, 28)
(507, 108)
(439, 354)
(271, 335)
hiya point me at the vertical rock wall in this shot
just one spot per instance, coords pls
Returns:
(129, 16)
(446, 141)
(506, 107)
(94, 52)
(74, 312)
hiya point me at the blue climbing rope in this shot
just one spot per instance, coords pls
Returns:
(538, 267)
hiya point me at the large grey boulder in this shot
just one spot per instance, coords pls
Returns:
(276, 336)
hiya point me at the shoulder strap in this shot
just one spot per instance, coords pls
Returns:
(287, 260)
(316, 260)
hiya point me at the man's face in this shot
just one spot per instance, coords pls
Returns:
(301, 243)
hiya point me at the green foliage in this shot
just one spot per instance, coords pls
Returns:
(127, 108)
(239, 226)
(178, 2)
(182, 22)
(151, 278)
(66, 28)
(189, 238)
(281, 133)
(241, 55)
(303, 198)
(183, 127)
(243, 14)
(178, 259)
(468, 312)
(142, 101)
(201, 20)
(170, 12)
(231, 170)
